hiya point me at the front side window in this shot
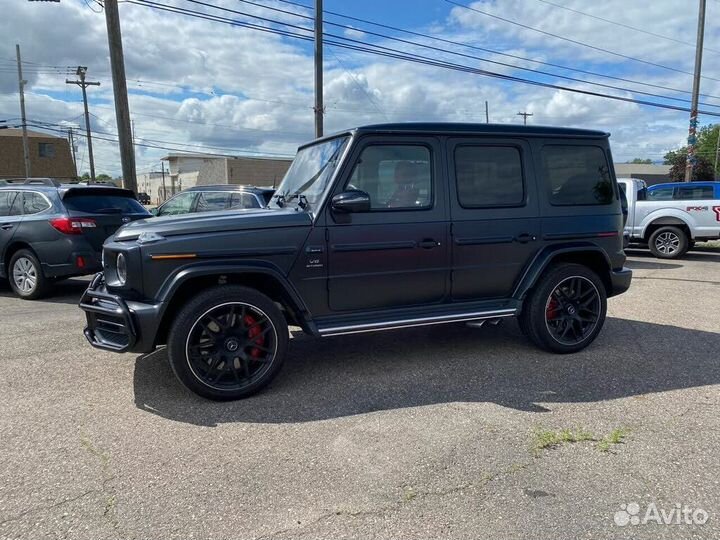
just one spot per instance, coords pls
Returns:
(489, 176)
(660, 194)
(397, 177)
(46, 149)
(7, 199)
(34, 203)
(695, 193)
(180, 204)
(210, 201)
(577, 175)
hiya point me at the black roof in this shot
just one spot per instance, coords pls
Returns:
(450, 128)
(230, 187)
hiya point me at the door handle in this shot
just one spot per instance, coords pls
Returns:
(428, 244)
(6, 226)
(524, 238)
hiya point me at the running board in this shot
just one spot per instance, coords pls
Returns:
(420, 321)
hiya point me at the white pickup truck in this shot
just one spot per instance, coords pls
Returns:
(672, 217)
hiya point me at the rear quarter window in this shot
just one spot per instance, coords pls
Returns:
(577, 175)
(99, 204)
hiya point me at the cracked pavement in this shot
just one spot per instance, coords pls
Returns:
(418, 433)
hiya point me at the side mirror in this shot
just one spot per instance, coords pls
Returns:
(353, 201)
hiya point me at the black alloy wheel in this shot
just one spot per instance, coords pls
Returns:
(228, 342)
(572, 310)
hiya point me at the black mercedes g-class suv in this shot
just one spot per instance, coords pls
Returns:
(375, 228)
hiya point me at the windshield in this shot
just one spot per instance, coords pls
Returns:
(310, 173)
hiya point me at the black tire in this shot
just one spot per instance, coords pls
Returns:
(227, 342)
(25, 275)
(668, 243)
(552, 309)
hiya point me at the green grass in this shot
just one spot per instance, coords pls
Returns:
(546, 439)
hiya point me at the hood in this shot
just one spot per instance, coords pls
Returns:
(209, 222)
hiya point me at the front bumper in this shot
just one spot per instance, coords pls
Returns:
(620, 281)
(116, 324)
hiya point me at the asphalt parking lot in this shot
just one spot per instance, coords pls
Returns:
(441, 432)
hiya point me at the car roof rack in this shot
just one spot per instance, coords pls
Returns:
(43, 181)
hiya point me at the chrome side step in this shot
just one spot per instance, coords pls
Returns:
(421, 321)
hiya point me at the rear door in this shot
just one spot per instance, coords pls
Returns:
(108, 208)
(494, 207)
(10, 217)
(701, 204)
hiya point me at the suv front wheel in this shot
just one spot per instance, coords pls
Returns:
(566, 310)
(228, 342)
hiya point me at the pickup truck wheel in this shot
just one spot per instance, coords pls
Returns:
(566, 310)
(227, 343)
(26, 276)
(668, 243)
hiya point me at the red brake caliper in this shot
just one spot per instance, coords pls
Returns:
(249, 321)
(552, 309)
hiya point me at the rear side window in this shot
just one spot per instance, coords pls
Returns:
(243, 200)
(209, 201)
(695, 193)
(34, 203)
(660, 194)
(103, 204)
(577, 175)
(489, 176)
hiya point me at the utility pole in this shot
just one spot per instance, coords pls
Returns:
(71, 140)
(525, 116)
(319, 108)
(122, 108)
(487, 113)
(82, 83)
(692, 131)
(162, 168)
(717, 153)
(21, 87)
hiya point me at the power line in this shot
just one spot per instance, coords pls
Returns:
(426, 36)
(576, 42)
(634, 28)
(410, 57)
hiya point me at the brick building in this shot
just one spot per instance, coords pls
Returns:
(49, 155)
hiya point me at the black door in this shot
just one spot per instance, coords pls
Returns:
(494, 205)
(397, 253)
(10, 217)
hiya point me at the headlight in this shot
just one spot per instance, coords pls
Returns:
(121, 268)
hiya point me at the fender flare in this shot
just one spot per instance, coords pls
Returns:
(669, 216)
(545, 257)
(175, 280)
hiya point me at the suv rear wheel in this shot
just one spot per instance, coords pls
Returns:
(668, 243)
(566, 310)
(26, 276)
(228, 342)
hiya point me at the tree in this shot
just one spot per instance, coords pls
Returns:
(103, 177)
(703, 169)
(640, 161)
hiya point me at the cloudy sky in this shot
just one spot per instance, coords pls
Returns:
(205, 86)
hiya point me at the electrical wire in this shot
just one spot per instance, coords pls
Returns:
(400, 55)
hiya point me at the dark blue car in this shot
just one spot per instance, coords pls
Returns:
(50, 231)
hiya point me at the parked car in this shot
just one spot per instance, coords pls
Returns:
(50, 231)
(670, 218)
(376, 228)
(213, 198)
(144, 198)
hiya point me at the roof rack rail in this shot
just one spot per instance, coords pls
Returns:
(44, 181)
